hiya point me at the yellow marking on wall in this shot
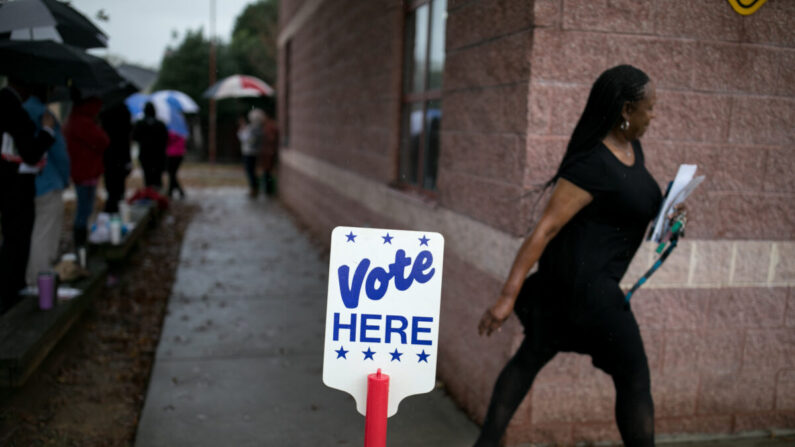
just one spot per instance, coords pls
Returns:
(746, 7)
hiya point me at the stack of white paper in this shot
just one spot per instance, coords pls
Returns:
(682, 186)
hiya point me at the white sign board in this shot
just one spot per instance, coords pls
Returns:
(384, 292)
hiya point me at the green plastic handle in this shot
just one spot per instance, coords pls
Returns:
(674, 230)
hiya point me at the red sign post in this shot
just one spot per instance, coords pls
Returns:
(375, 419)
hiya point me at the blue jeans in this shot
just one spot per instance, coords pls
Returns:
(85, 205)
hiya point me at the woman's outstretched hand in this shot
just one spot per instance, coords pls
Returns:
(495, 316)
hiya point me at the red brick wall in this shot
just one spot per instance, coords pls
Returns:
(721, 358)
(726, 99)
(516, 79)
(288, 9)
(344, 99)
(344, 86)
(485, 111)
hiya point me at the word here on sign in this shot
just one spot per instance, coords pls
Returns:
(384, 295)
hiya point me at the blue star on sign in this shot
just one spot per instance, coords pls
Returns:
(341, 352)
(395, 355)
(351, 237)
(387, 239)
(368, 354)
(424, 241)
(423, 357)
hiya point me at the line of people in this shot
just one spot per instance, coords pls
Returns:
(40, 159)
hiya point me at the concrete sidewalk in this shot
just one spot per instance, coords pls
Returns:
(240, 357)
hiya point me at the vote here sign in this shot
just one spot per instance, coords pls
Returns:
(384, 293)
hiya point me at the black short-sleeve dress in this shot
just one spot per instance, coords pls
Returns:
(579, 272)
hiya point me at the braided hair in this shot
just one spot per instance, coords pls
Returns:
(613, 88)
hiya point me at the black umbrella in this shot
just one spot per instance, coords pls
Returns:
(118, 94)
(48, 62)
(49, 20)
(110, 95)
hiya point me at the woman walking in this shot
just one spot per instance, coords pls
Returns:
(152, 137)
(601, 205)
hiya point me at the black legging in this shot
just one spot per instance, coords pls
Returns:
(613, 340)
(17, 212)
(173, 184)
(153, 175)
(115, 179)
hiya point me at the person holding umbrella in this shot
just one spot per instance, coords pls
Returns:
(33, 51)
(116, 121)
(259, 137)
(22, 147)
(252, 136)
(152, 137)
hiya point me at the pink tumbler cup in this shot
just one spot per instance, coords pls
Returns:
(46, 283)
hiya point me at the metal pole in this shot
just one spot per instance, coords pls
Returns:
(212, 129)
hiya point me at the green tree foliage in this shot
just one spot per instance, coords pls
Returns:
(186, 67)
(252, 51)
(254, 37)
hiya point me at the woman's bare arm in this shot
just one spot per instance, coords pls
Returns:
(566, 201)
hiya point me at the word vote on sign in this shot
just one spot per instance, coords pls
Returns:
(382, 311)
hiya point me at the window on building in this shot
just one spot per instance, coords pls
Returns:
(422, 92)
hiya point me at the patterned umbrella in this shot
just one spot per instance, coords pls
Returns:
(185, 103)
(237, 86)
(167, 109)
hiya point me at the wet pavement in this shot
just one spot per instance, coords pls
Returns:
(240, 356)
